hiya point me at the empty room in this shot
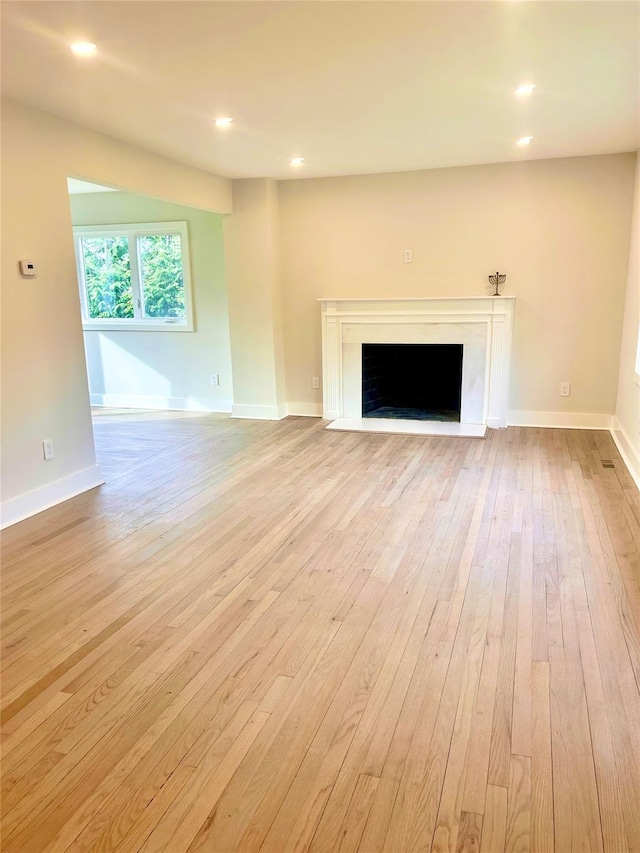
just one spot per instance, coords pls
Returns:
(320, 426)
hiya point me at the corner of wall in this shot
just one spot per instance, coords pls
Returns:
(626, 428)
(630, 455)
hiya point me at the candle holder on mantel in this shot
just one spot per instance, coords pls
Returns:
(497, 281)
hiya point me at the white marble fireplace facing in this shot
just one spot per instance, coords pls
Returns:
(483, 325)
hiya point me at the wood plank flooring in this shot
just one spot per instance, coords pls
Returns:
(270, 637)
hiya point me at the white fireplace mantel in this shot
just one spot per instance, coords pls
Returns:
(482, 324)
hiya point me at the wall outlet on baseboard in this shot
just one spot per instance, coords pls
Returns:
(47, 448)
(565, 389)
(215, 379)
(315, 382)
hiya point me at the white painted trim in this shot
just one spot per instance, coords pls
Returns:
(30, 503)
(133, 230)
(409, 298)
(178, 404)
(340, 316)
(305, 410)
(560, 420)
(136, 326)
(259, 413)
(630, 456)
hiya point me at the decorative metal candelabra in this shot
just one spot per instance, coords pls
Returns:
(497, 281)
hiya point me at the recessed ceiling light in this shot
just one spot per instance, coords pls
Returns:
(525, 89)
(83, 48)
(297, 161)
(524, 140)
(224, 122)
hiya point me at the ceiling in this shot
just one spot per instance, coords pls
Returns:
(353, 87)
(78, 187)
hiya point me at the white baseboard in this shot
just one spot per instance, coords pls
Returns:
(305, 410)
(630, 455)
(259, 413)
(496, 423)
(175, 404)
(560, 420)
(24, 506)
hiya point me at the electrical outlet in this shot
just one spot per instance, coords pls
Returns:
(215, 379)
(47, 448)
(315, 382)
(565, 389)
(408, 256)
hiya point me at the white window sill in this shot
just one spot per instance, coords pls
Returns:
(137, 327)
(126, 326)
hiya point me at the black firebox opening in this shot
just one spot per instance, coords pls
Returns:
(413, 381)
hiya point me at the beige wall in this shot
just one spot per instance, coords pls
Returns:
(163, 369)
(44, 382)
(558, 228)
(252, 257)
(627, 425)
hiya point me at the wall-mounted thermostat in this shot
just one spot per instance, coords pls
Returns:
(28, 268)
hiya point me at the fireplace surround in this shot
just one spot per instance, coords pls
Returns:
(481, 325)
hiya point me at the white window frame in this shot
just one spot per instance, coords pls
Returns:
(132, 231)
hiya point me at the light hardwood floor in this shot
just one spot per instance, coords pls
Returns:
(268, 637)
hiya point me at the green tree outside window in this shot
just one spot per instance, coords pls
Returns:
(161, 273)
(107, 273)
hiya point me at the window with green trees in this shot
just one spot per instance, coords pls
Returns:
(134, 276)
